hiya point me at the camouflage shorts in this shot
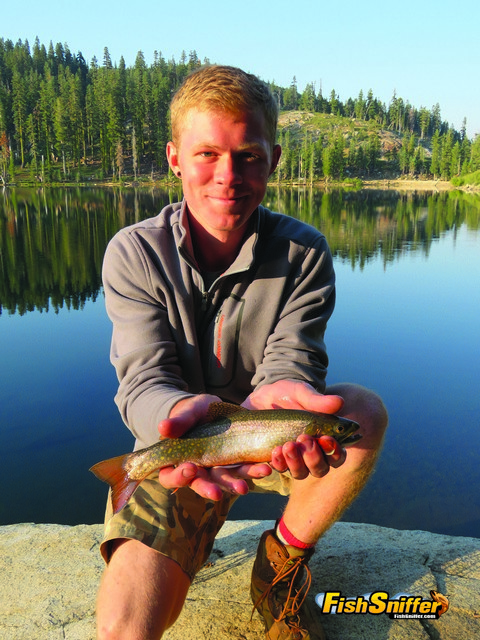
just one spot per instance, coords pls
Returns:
(180, 525)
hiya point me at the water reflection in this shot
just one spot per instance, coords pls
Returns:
(406, 324)
(52, 241)
(361, 225)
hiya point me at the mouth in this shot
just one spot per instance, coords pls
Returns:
(351, 439)
(228, 198)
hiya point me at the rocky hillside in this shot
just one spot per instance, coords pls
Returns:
(318, 125)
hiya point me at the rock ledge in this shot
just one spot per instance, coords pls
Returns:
(50, 574)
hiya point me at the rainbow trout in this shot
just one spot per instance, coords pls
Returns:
(238, 436)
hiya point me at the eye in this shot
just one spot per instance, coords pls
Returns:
(251, 157)
(340, 428)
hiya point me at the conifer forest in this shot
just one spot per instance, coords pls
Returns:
(63, 120)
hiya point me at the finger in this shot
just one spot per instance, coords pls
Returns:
(294, 460)
(320, 403)
(205, 487)
(208, 483)
(175, 477)
(228, 480)
(232, 478)
(247, 471)
(313, 455)
(301, 395)
(336, 454)
(185, 414)
(292, 394)
(278, 461)
(174, 427)
(279, 395)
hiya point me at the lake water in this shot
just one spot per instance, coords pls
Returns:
(406, 324)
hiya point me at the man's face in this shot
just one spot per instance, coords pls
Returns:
(224, 161)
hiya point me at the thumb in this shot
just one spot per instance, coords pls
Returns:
(174, 427)
(185, 414)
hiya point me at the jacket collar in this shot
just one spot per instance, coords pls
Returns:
(246, 255)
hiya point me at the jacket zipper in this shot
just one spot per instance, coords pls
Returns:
(205, 299)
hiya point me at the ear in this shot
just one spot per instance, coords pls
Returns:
(172, 157)
(276, 153)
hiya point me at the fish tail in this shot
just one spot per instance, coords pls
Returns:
(113, 473)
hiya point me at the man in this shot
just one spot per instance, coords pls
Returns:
(219, 298)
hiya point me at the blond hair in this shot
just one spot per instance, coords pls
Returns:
(223, 88)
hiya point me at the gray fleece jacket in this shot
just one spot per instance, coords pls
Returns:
(262, 320)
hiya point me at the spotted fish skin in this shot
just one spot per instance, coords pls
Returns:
(237, 437)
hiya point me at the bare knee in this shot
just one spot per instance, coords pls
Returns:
(141, 594)
(110, 628)
(365, 407)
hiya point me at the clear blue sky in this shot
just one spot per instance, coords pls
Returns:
(426, 51)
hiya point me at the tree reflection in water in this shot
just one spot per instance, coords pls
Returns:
(57, 413)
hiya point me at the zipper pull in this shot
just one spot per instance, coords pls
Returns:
(205, 297)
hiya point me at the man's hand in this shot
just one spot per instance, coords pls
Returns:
(212, 483)
(292, 394)
(307, 456)
(208, 483)
(186, 414)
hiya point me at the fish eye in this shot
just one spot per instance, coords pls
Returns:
(340, 428)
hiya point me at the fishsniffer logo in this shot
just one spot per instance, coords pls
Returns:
(402, 605)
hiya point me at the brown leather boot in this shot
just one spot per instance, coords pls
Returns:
(280, 583)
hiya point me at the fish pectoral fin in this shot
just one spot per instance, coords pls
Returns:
(113, 473)
(222, 410)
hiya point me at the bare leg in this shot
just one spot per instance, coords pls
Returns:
(316, 503)
(141, 594)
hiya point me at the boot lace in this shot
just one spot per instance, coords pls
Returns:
(296, 596)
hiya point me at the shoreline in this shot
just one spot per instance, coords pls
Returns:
(409, 185)
(382, 184)
(385, 184)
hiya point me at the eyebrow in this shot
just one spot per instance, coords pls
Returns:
(246, 146)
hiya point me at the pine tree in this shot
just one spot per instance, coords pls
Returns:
(335, 105)
(435, 118)
(360, 106)
(32, 141)
(436, 154)
(333, 158)
(446, 157)
(39, 57)
(474, 164)
(19, 106)
(290, 97)
(456, 160)
(4, 158)
(403, 157)
(371, 108)
(466, 150)
(307, 101)
(119, 159)
(424, 121)
(107, 60)
(373, 153)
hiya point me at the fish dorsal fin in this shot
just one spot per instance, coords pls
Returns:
(221, 410)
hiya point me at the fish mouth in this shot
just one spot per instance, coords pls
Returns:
(346, 431)
(351, 439)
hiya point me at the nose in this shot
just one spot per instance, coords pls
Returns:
(228, 170)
